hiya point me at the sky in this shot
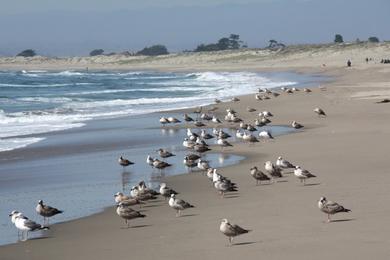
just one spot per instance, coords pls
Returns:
(75, 27)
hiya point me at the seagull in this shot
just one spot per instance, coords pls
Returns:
(201, 148)
(235, 99)
(189, 163)
(199, 124)
(149, 160)
(203, 165)
(26, 225)
(188, 143)
(160, 164)
(164, 121)
(249, 138)
(164, 153)
(259, 123)
(173, 120)
(126, 200)
(192, 156)
(265, 135)
(302, 174)
(231, 230)
(251, 128)
(178, 204)
(307, 90)
(124, 162)
(205, 116)
(264, 120)
(46, 211)
(296, 125)
(13, 216)
(205, 135)
(223, 184)
(200, 142)
(127, 213)
(190, 133)
(217, 101)
(258, 175)
(294, 89)
(165, 191)
(239, 134)
(187, 118)
(319, 112)
(275, 94)
(223, 143)
(283, 164)
(223, 135)
(272, 170)
(215, 120)
(266, 114)
(330, 207)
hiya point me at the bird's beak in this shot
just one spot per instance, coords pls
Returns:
(10, 215)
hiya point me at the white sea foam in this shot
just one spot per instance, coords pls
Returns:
(15, 143)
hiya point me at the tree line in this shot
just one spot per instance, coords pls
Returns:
(232, 42)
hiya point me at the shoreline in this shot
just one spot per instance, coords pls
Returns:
(258, 208)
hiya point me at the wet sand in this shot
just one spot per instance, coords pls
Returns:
(346, 150)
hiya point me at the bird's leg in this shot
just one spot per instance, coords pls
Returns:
(257, 182)
(328, 218)
(304, 182)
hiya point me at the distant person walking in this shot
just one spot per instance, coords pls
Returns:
(349, 63)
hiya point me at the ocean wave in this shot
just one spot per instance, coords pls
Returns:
(16, 143)
(47, 85)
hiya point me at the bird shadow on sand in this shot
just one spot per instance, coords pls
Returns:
(342, 220)
(151, 206)
(311, 184)
(233, 196)
(188, 215)
(244, 243)
(281, 181)
(137, 226)
(38, 238)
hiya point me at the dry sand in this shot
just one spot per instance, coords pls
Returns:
(348, 151)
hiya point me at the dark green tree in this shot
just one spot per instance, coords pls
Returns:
(27, 53)
(154, 50)
(96, 52)
(373, 39)
(338, 38)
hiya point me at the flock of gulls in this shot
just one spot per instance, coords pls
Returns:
(196, 144)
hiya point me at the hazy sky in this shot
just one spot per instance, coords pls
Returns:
(74, 27)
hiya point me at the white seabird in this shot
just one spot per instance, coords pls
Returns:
(296, 125)
(203, 165)
(26, 225)
(124, 162)
(272, 170)
(215, 120)
(239, 134)
(319, 112)
(231, 230)
(283, 164)
(164, 121)
(265, 135)
(165, 191)
(178, 204)
(173, 120)
(223, 143)
(302, 174)
(266, 114)
(330, 207)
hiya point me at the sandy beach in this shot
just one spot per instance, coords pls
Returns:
(347, 150)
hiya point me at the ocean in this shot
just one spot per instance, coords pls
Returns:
(62, 132)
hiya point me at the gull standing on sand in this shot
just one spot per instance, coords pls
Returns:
(283, 164)
(302, 174)
(272, 170)
(46, 211)
(178, 205)
(26, 225)
(124, 162)
(266, 114)
(203, 165)
(127, 213)
(250, 138)
(319, 112)
(258, 175)
(189, 163)
(296, 125)
(231, 230)
(165, 191)
(330, 207)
